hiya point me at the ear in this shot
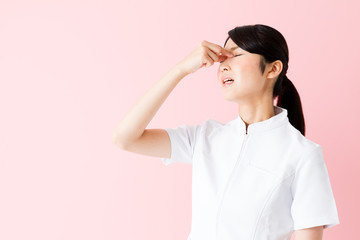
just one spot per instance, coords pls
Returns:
(275, 69)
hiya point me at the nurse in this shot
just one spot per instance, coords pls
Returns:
(256, 177)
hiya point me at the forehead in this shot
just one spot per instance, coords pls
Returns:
(231, 45)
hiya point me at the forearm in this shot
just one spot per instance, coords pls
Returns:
(133, 124)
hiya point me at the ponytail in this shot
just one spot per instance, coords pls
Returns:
(288, 98)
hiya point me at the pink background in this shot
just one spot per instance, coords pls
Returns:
(70, 70)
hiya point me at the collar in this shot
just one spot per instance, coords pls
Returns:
(280, 118)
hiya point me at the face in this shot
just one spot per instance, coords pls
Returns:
(244, 68)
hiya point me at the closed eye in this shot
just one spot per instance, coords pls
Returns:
(234, 56)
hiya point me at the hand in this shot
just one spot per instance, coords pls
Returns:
(205, 54)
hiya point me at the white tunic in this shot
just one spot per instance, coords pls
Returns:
(259, 185)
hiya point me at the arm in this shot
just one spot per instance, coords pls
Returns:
(133, 124)
(130, 134)
(314, 233)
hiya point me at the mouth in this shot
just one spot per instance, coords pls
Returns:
(227, 81)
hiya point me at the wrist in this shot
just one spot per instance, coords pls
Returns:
(178, 70)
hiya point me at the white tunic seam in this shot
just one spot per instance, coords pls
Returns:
(266, 202)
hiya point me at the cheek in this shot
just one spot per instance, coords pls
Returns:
(252, 69)
(249, 78)
(248, 72)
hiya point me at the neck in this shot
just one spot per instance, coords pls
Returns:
(252, 113)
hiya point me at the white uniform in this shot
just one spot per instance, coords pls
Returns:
(259, 185)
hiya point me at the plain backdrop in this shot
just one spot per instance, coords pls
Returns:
(70, 70)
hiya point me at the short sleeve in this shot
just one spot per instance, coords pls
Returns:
(183, 141)
(313, 200)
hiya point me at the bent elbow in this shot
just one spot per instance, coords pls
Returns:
(117, 141)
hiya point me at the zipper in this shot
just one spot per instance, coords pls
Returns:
(246, 136)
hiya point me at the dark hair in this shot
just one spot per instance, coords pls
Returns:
(272, 46)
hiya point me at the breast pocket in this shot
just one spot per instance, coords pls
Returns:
(261, 179)
(262, 166)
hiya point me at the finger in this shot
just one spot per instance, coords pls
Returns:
(226, 52)
(217, 49)
(207, 61)
(214, 57)
(222, 58)
(217, 58)
(210, 57)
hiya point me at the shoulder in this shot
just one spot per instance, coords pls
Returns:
(306, 147)
(302, 140)
(212, 125)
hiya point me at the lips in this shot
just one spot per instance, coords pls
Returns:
(224, 80)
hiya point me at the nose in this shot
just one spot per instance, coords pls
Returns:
(224, 67)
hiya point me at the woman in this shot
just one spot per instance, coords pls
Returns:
(257, 176)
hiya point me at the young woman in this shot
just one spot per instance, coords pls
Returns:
(256, 177)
